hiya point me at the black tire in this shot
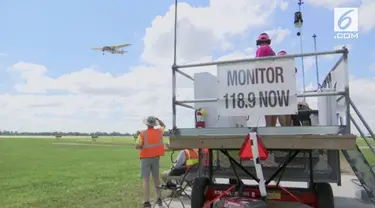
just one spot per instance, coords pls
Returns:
(198, 192)
(324, 195)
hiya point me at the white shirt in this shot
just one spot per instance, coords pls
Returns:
(180, 160)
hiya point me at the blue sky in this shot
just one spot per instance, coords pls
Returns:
(59, 35)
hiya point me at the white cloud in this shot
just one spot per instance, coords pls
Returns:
(332, 56)
(37, 81)
(91, 97)
(366, 8)
(309, 62)
(203, 29)
(331, 3)
(278, 35)
(366, 15)
(93, 94)
(92, 110)
(91, 100)
(360, 89)
(284, 5)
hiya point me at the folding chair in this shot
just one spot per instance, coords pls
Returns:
(182, 182)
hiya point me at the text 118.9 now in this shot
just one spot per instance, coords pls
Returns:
(265, 99)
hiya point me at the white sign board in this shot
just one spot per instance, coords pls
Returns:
(264, 87)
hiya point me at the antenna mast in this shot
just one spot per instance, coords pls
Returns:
(316, 63)
(174, 123)
(298, 22)
(175, 33)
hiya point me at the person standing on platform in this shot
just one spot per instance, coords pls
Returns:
(264, 49)
(150, 143)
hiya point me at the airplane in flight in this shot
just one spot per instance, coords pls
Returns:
(115, 49)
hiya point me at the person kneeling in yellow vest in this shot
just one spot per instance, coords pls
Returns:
(185, 159)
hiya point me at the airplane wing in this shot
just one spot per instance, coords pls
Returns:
(121, 46)
(98, 49)
(120, 52)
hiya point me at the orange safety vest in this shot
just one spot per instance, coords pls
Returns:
(153, 144)
(192, 157)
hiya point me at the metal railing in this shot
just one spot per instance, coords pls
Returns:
(360, 130)
(342, 93)
(177, 69)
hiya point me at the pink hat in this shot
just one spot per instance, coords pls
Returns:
(263, 38)
(281, 53)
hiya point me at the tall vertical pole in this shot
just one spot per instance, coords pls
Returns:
(175, 33)
(316, 63)
(174, 68)
(347, 94)
(301, 44)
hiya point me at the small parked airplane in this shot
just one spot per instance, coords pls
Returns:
(112, 49)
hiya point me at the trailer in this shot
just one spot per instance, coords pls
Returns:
(308, 152)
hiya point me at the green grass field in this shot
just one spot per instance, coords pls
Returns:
(36, 172)
(362, 143)
(367, 152)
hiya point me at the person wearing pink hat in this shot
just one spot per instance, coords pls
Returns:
(285, 120)
(283, 53)
(263, 43)
(264, 49)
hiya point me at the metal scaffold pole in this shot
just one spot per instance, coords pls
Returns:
(174, 68)
(316, 63)
(175, 33)
(301, 45)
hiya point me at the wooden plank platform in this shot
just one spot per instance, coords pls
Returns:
(312, 137)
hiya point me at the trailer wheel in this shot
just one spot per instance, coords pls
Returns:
(198, 192)
(324, 194)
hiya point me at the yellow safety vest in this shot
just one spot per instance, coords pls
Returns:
(192, 157)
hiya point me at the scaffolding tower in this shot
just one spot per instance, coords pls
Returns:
(294, 139)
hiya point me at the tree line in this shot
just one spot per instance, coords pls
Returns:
(56, 133)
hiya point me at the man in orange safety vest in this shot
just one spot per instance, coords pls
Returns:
(151, 146)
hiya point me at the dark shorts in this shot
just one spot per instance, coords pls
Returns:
(150, 166)
(175, 172)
